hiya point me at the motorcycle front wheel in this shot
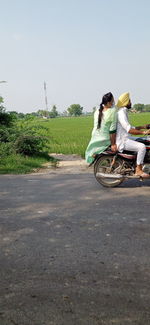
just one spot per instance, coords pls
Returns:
(102, 168)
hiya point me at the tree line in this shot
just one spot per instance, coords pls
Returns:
(141, 107)
(72, 110)
(77, 110)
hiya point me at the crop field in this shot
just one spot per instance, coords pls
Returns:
(70, 135)
(66, 135)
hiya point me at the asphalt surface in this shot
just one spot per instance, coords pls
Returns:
(73, 252)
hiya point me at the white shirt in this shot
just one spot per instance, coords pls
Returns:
(123, 128)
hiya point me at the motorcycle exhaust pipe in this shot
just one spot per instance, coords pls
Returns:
(104, 175)
(116, 176)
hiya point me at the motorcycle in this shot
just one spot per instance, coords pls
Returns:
(111, 168)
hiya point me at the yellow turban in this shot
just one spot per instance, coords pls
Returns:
(123, 100)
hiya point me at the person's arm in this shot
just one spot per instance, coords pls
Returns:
(113, 141)
(112, 131)
(138, 131)
(123, 120)
(146, 126)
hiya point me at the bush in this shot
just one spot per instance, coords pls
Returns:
(30, 144)
(4, 134)
(5, 118)
(6, 149)
(9, 134)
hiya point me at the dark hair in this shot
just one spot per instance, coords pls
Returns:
(105, 99)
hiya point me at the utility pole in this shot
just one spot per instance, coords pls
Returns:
(45, 92)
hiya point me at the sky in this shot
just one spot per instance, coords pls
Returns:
(82, 49)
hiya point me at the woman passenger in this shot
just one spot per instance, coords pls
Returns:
(104, 131)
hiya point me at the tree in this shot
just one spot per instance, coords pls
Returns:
(29, 116)
(43, 113)
(5, 118)
(53, 113)
(1, 100)
(34, 114)
(21, 115)
(64, 113)
(147, 108)
(14, 115)
(138, 107)
(75, 110)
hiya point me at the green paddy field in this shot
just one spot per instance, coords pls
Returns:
(66, 135)
(70, 135)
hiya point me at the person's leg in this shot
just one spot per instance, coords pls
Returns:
(140, 148)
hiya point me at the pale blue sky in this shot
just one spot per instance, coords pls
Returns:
(81, 48)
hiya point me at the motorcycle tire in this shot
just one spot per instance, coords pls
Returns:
(102, 165)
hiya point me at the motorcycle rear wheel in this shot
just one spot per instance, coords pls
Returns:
(103, 165)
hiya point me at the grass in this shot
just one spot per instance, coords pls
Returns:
(139, 118)
(66, 135)
(18, 164)
(71, 135)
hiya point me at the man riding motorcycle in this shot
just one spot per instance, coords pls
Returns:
(124, 129)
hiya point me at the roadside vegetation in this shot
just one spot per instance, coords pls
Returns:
(22, 148)
(28, 141)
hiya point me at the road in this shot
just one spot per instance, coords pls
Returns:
(73, 252)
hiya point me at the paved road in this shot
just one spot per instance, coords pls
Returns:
(72, 252)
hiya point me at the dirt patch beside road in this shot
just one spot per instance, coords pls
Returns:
(66, 164)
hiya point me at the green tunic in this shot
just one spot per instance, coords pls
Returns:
(100, 139)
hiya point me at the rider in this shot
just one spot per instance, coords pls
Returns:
(124, 129)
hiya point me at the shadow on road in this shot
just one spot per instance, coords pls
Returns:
(73, 252)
